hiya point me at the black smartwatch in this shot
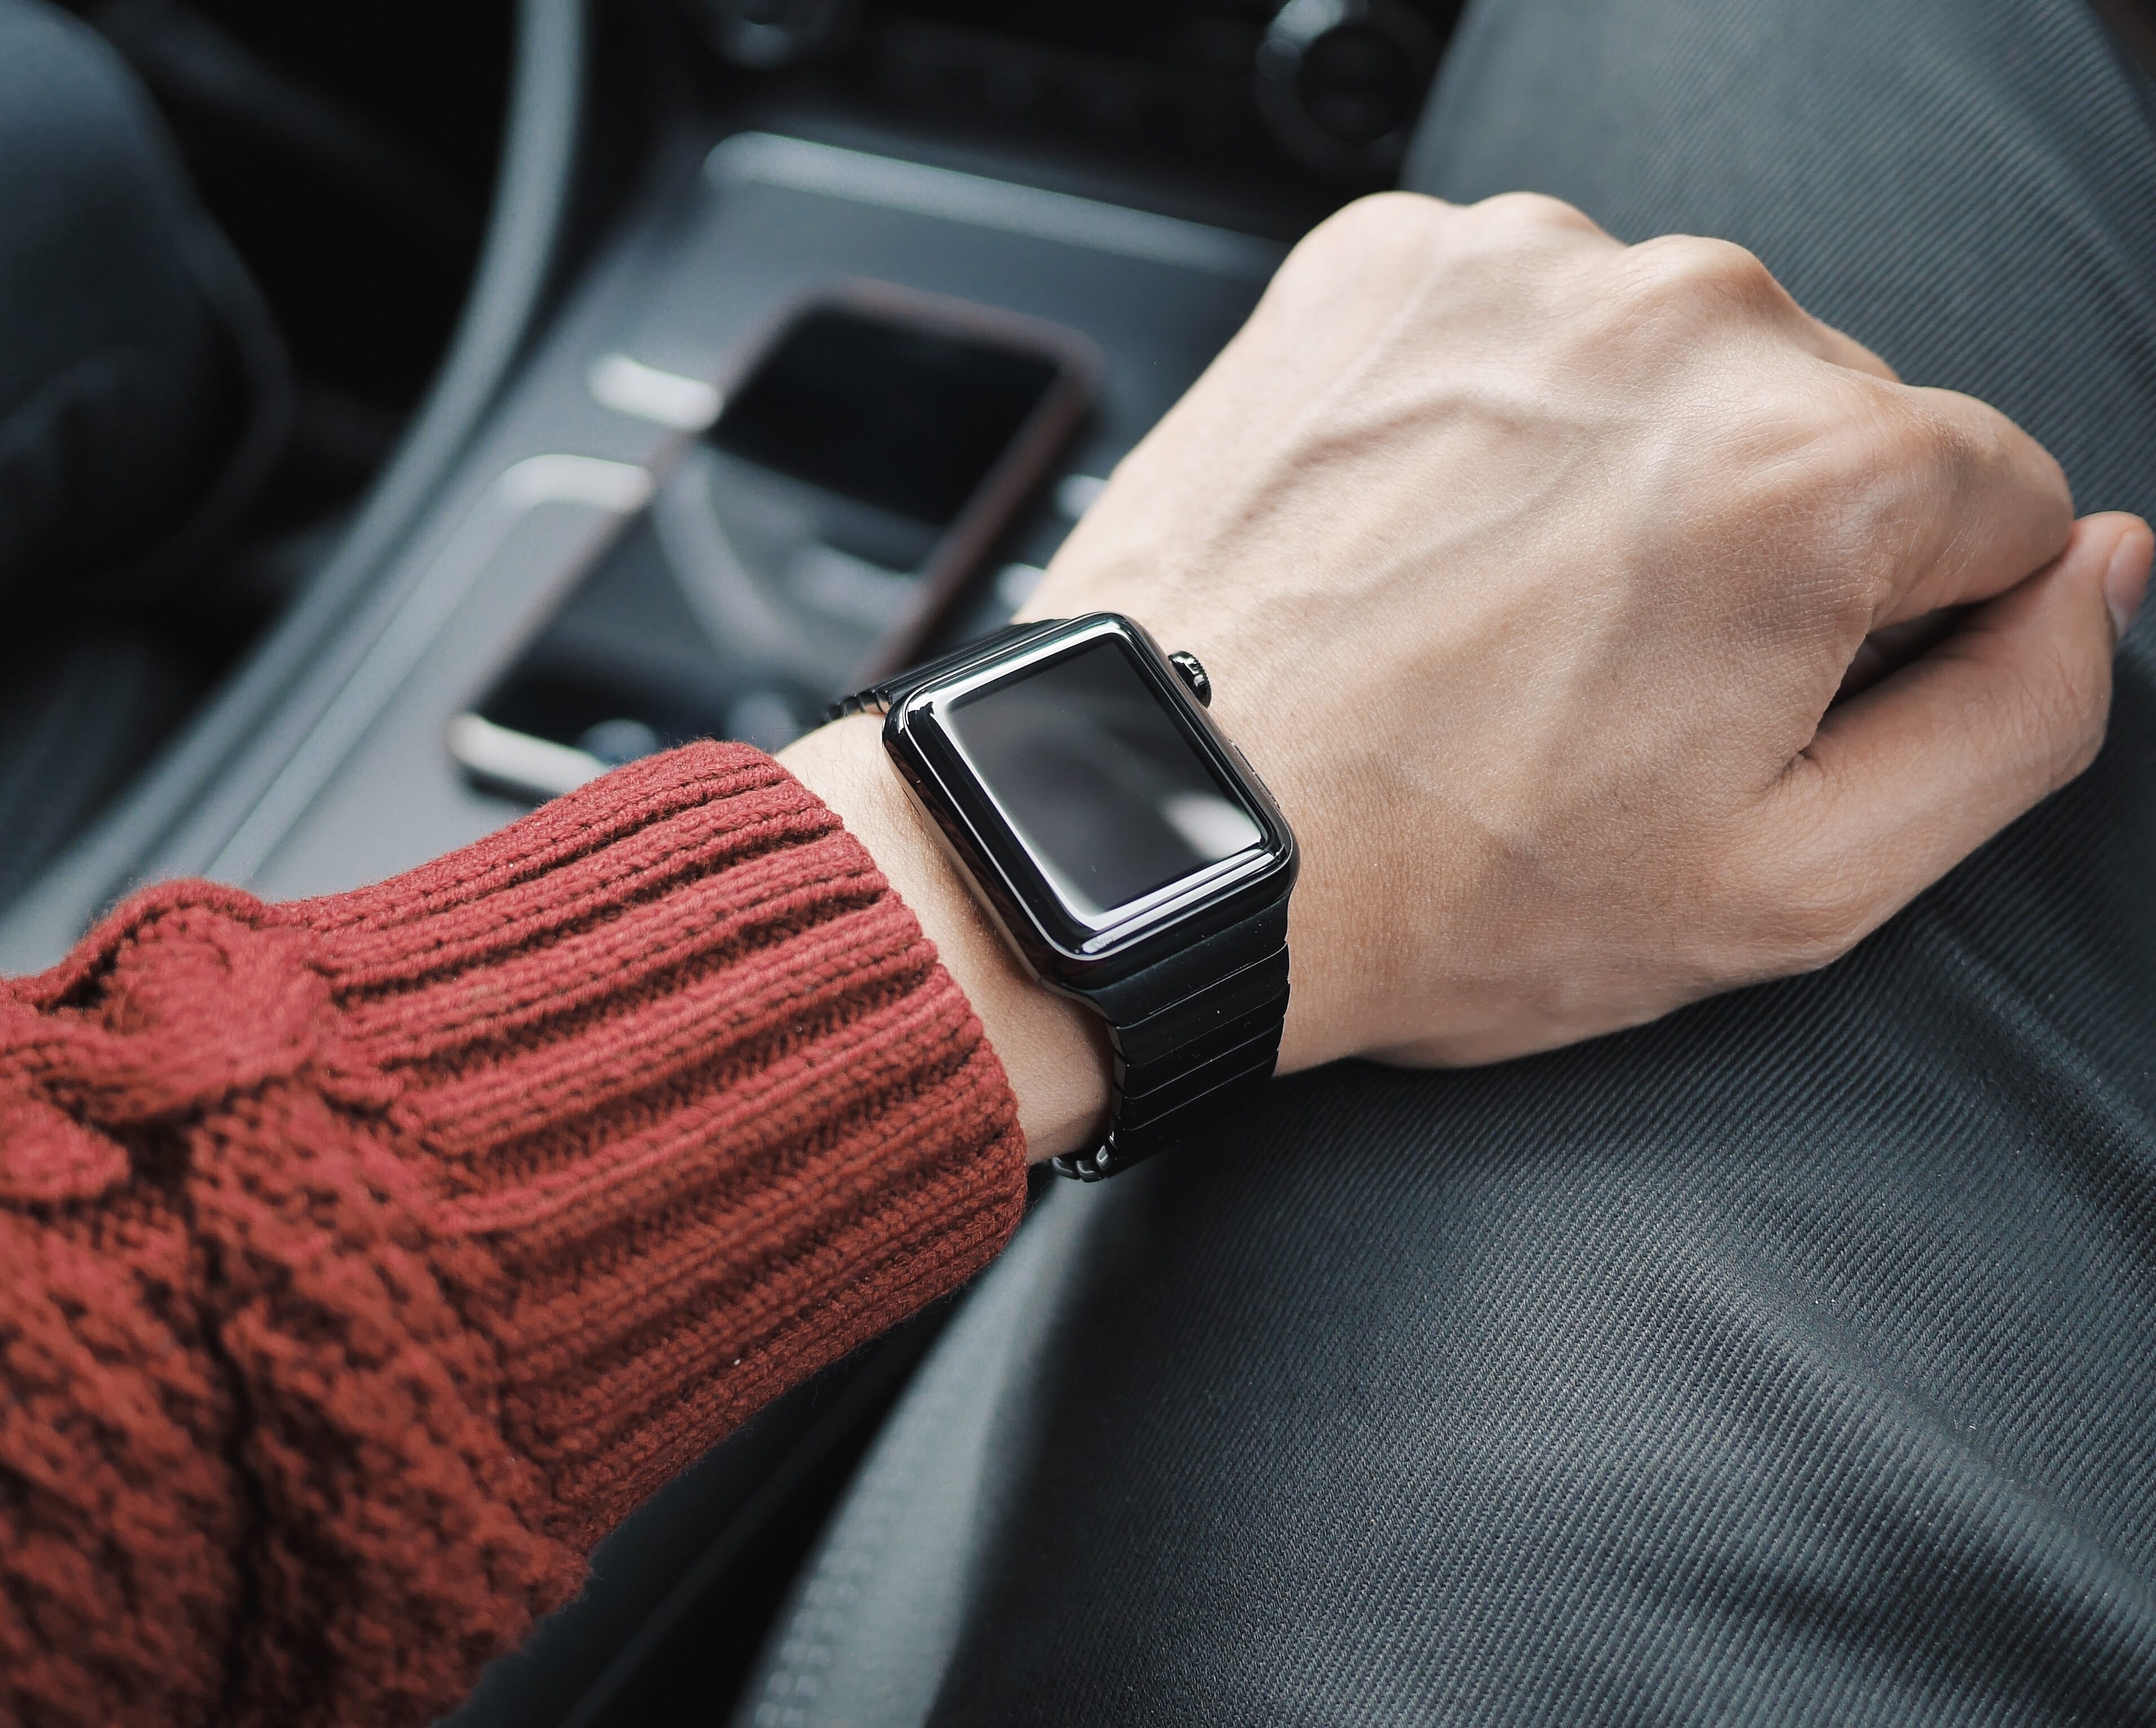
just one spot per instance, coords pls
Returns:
(1125, 849)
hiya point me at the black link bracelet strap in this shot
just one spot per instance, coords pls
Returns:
(1214, 1048)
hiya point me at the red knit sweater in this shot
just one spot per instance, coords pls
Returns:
(363, 1261)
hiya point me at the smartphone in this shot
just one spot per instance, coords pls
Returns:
(876, 445)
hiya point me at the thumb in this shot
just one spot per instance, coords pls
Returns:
(1906, 779)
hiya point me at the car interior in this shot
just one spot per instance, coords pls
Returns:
(653, 371)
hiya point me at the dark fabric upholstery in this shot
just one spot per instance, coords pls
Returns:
(1793, 1361)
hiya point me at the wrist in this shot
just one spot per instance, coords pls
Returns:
(1055, 1053)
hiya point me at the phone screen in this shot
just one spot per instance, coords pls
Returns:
(811, 526)
(902, 418)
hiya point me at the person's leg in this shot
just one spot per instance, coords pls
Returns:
(135, 363)
(1794, 1360)
(1967, 186)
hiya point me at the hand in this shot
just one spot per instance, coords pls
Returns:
(1529, 567)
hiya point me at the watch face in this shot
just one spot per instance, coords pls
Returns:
(1099, 784)
(1092, 784)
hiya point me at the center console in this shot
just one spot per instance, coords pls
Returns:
(605, 426)
(1328, 87)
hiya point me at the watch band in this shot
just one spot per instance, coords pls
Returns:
(1216, 1045)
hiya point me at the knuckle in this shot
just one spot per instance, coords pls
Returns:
(1381, 238)
(1859, 476)
(1809, 455)
(1956, 457)
(1379, 217)
(1965, 450)
(1692, 266)
(1533, 211)
(1850, 426)
(1869, 494)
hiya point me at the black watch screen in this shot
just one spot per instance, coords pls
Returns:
(1093, 800)
(1108, 796)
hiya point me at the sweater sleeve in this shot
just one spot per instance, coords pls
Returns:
(362, 1261)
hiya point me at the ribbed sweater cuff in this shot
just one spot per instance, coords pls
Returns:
(366, 1259)
(692, 1093)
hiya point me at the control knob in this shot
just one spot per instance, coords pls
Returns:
(1341, 81)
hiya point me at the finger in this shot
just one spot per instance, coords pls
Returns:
(1889, 650)
(1539, 211)
(1907, 779)
(1744, 274)
(1969, 502)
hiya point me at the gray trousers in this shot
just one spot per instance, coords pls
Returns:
(1791, 1360)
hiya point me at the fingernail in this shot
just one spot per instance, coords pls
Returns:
(2127, 581)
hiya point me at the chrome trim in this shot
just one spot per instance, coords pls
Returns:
(645, 393)
(536, 767)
